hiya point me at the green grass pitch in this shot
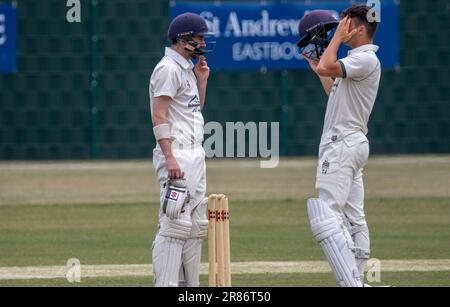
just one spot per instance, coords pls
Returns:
(105, 213)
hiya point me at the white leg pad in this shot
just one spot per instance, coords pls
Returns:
(199, 220)
(166, 261)
(360, 236)
(168, 249)
(192, 250)
(177, 229)
(329, 233)
(191, 258)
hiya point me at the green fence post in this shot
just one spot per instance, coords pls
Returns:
(94, 79)
(284, 125)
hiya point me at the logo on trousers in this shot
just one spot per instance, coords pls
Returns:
(325, 166)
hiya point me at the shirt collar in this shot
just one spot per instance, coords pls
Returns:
(365, 48)
(185, 64)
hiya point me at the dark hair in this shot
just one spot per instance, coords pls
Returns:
(358, 12)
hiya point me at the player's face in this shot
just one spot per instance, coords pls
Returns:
(200, 40)
(201, 44)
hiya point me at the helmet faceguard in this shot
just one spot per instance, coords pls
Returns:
(316, 30)
(184, 27)
(193, 46)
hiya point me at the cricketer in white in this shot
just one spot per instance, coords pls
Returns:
(337, 217)
(177, 95)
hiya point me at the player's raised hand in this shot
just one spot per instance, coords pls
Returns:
(312, 62)
(343, 33)
(202, 70)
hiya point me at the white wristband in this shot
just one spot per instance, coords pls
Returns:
(162, 132)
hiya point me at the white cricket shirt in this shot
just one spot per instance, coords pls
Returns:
(174, 77)
(352, 98)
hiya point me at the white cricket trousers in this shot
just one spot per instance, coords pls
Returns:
(192, 163)
(339, 180)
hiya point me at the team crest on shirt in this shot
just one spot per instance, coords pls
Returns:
(325, 167)
(188, 84)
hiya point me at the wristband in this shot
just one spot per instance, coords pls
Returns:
(162, 132)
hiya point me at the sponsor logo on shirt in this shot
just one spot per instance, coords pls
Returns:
(335, 86)
(194, 102)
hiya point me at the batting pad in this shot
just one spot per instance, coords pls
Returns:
(166, 261)
(360, 235)
(328, 232)
(192, 252)
(199, 220)
(177, 229)
(192, 249)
